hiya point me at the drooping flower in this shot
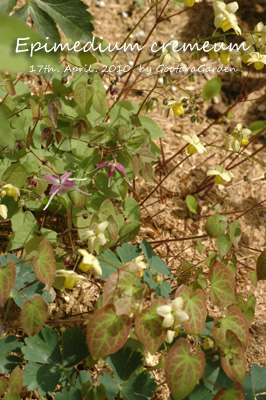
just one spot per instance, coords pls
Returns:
(176, 106)
(95, 236)
(195, 145)
(89, 262)
(112, 166)
(259, 60)
(170, 53)
(140, 263)
(61, 185)
(10, 190)
(225, 17)
(221, 174)
(70, 277)
(172, 313)
(238, 137)
(3, 211)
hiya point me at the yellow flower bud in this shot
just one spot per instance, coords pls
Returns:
(178, 109)
(213, 55)
(219, 180)
(191, 149)
(258, 65)
(70, 282)
(225, 56)
(244, 141)
(189, 3)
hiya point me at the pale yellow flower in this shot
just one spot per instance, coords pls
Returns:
(172, 313)
(170, 53)
(10, 190)
(195, 145)
(140, 263)
(70, 277)
(221, 175)
(225, 17)
(259, 60)
(89, 262)
(95, 236)
(3, 211)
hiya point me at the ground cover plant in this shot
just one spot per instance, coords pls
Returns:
(102, 295)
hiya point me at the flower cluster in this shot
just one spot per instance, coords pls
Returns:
(172, 315)
(225, 17)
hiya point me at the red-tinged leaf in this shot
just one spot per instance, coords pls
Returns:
(233, 358)
(195, 306)
(16, 381)
(112, 227)
(35, 110)
(234, 321)
(34, 315)
(58, 136)
(222, 285)
(120, 290)
(58, 105)
(10, 88)
(45, 133)
(107, 332)
(53, 113)
(183, 370)
(7, 279)
(44, 263)
(236, 393)
(84, 124)
(49, 141)
(149, 328)
(261, 267)
(78, 199)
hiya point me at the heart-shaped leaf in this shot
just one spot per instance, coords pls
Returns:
(222, 285)
(233, 358)
(34, 315)
(120, 290)
(261, 266)
(183, 370)
(216, 225)
(236, 392)
(149, 327)
(107, 332)
(16, 381)
(7, 279)
(234, 321)
(78, 199)
(44, 263)
(195, 306)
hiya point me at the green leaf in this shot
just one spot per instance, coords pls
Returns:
(163, 289)
(44, 263)
(131, 208)
(247, 307)
(109, 263)
(107, 332)
(75, 347)
(192, 203)
(152, 127)
(258, 376)
(236, 392)
(256, 126)
(196, 308)
(5, 140)
(22, 235)
(112, 227)
(216, 225)
(99, 97)
(8, 346)
(234, 321)
(16, 381)
(22, 13)
(124, 363)
(183, 370)
(111, 387)
(120, 290)
(211, 88)
(3, 387)
(233, 359)
(142, 387)
(12, 396)
(71, 16)
(7, 5)
(71, 394)
(34, 315)
(235, 232)
(83, 96)
(129, 231)
(78, 199)
(223, 244)
(261, 266)
(16, 175)
(10, 30)
(128, 252)
(149, 327)
(7, 279)
(222, 285)
(120, 113)
(45, 25)
(154, 261)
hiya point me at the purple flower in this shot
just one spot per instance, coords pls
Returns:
(112, 166)
(61, 185)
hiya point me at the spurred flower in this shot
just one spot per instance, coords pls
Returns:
(195, 145)
(259, 60)
(61, 185)
(89, 262)
(70, 277)
(95, 236)
(225, 16)
(172, 313)
(221, 175)
(11, 191)
(112, 166)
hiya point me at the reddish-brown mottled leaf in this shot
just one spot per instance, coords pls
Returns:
(7, 279)
(183, 369)
(149, 327)
(16, 381)
(10, 88)
(34, 315)
(53, 113)
(222, 285)
(107, 332)
(120, 289)
(45, 133)
(58, 136)
(233, 358)
(236, 393)
(112, 227)
(44, 263)
(78, 199)
(261, 267)
(234, 321)
(195, 307)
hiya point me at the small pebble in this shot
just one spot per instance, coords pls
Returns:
(131, 63)
(124, 14)
(173, 88)
(100, 4)
(160, 81)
